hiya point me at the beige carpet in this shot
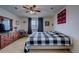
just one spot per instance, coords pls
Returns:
(18, 47)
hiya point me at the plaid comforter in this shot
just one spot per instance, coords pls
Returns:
(47, 38)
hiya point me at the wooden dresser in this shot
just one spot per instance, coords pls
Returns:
(7, 38)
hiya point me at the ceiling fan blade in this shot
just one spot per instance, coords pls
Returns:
(37, 10)
(25, 7)
(15, 7)
(27, 11)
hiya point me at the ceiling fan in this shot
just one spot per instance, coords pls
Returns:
(31, 8)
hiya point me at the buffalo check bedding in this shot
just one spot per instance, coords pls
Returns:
(47, 38)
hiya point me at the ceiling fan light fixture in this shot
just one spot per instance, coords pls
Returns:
(32, 12)
(31, 9)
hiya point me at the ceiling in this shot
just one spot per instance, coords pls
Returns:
(45, 10)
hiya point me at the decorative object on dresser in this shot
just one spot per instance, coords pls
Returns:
(15, 28)
(23, 33)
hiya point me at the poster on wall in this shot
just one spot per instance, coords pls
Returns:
(46, 23)
(61, 17)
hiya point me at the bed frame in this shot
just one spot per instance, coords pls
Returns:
(48, 47)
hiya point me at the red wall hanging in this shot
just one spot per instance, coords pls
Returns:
(61, 17)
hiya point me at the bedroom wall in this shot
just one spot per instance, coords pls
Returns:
(71, 27)
(48, 28)
(9, 15)
(25, 25)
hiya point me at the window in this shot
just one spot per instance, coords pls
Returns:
(34, 24)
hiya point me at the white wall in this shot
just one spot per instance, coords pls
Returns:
(46, 28)
(23, 26)
(9, 15)
(71, 27)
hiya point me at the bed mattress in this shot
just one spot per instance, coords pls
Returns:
(47, 40)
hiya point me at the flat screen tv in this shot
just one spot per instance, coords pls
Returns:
(5, 25)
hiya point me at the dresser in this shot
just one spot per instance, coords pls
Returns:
(7, 38)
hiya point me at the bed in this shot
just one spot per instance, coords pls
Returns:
(47, 40)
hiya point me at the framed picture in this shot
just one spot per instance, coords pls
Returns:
(46, 23)
(17, 22)
(24, 21)
(61, 17)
